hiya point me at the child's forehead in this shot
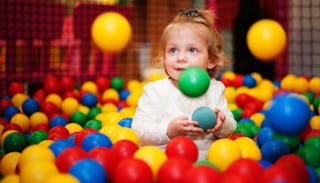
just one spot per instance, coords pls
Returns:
(188, 26)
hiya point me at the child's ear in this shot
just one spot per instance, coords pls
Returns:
(211, 64)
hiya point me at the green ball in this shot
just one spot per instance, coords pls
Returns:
(15, 142)
(37, 136)
(194, 81)
(313, 141)
(292, 141)
(94, 123)
(244, 129)
(93, 112)
(310, 156)
(205, 116)
(78, 117)
(117, 83)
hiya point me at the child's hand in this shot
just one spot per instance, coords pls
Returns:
(183, 126)
(220, 119)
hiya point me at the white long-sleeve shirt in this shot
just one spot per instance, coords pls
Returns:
(161, 102)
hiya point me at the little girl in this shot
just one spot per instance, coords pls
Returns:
(163, 111)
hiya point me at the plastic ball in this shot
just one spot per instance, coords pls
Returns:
(249, 81)
(93, 123)
(9, 162)
(94, 140)
(131, 170)
(112, 118)
(38, 171)
(60, 145)
(223, 152)
(106, 158)
(174, 170)
(58, 121)
(124, 133)
(102, 83)
(78, 117)
(22, 120)
(89, 99)
(249, 149)
(37, 136)
(34, 153)
(111, 32)
(110, 93)
(273, 149)
(287, 82)
(82, 134)
(51, 84)
(289, 114)
(38, 118)
(310, 155)
(67, 84)
(10, 111)
(117, 83)
(18, 99)
(313, 141)
(205, 116)
(182, 146)
(125, 122)
(69, 105)
(266, 39)
(12, 178)
(87, 171)
(62, 178)
(277, 173)
(292, 141)
(133, 99)
(15, 87)
(15, 141)
(194, 81)
(124, 94)
(124, 149)
(69, 157)
(202, 173)
(93, 112)
(314, 84)
(153, 156)
(90, 87)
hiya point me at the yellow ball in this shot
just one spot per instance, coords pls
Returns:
(18, 99)
(153, 156)
(73, 128)
(46, 143)
(229, 75)
(223, 152)
(300, 85)
(69, 105)
(315, 122)
(110, 93)
(249, 148)
(38, 171)
(124, 134)
(257, 118)
(287, 82)
(128, 112)
(314, 84)
(230, 93)
(109, 107)
(112, 118)
(133, 85)
(54, 98)
(266, 39)
(35, 153)
(109, 129)
(9, 163)
(21, 120)
(111, 32)
(133, 99)
(12, 178)
(90, 86)
(38, 118)
(62, 178)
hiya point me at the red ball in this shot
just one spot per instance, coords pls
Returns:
(106, 158)
(242, 99)
(67, 83)
(42, 126)
(202, 173)
(236, 135)
(313, 133)
(4, 103)
(102, 83)
(124, 149)
(82, 134)
(71, 94)
(12, 126)
(295, 164)
(173, 170)
(40, 95)
(14, 88)
(227, 82)
(249, 169)
(277, 173)
(51, 84)
(49, 108)
(132, 170)
(234, 178)
(182, 146)
(58, 133)
(68, 157)
(238, 80)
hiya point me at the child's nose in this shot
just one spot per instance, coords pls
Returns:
(182, 57)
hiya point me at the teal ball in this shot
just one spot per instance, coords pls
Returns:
(205, 116)
(194, 81)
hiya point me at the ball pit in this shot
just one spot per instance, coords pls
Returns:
(75, 131)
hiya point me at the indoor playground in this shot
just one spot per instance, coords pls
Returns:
(72, 73)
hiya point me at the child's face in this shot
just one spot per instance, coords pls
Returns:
(186, 45)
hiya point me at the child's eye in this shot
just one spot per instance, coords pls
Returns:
(193, 50)
(173, 50)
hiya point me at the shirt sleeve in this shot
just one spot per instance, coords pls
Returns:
(147, 121)
(230, 124)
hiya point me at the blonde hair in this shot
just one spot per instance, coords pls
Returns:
(215, 51)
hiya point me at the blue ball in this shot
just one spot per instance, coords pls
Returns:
(30, 106)
(264, 135)
(58, 121)
(125, 122)
(274, 149)
(59, 145)
(205, 116)
(94, 140)
(249, 81)
(88, 171)
(288, 114)
(123, 94)
(89, 100)
(10, 111)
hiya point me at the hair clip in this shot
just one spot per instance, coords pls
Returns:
(193, 13)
